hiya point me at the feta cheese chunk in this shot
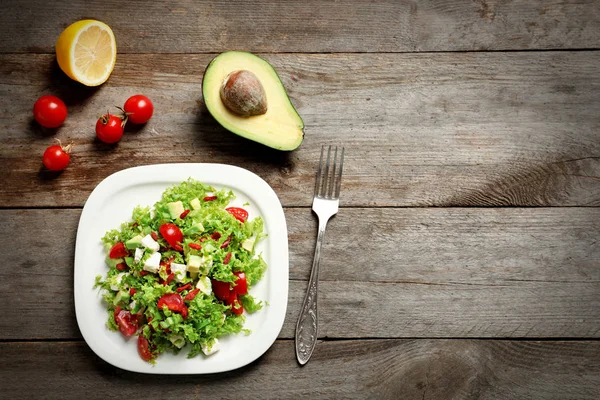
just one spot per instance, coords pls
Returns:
(139, 252)
(196, 263)
(150, 243)
(153, 263)
(179, 271)
(211, 347)
(204, 285)
(248, 244)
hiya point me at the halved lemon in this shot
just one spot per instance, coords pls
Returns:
(86, 51)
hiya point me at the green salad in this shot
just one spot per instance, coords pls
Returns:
(179, 273)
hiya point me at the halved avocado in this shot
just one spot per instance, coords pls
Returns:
(280, 127)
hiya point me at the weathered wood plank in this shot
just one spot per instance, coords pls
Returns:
(383, 369)
(188, 26)
(459, 129)
(416, 273)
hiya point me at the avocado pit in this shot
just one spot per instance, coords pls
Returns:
(243, 94)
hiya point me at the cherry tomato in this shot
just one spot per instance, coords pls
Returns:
(239, 213)
(118, 251)
(50, 111)
(241, 284)
(221, 289)
(126, 322)
(56, 157)
(139, 109)
(236, 306)
(173, 301)
(143, 348)
(172, 234)
(109, 128)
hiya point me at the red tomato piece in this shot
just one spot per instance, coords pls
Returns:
(172, 234)
(215, 236)
(139, 109)
(177, 248)
(227, 258)
(192, 295)
(236, 306)
(50, 111)
(144, 272)
(195, 246)
(126, 323)
(118, 251)
(210, 198)
(153, 235)
(226, 242)
(221, 289)
(239, 213)
(184, 287)
(121, 266)
(132, 291)
(170, 278)
(144, 348)
(184, 312)
(173, 301)
(241, 284)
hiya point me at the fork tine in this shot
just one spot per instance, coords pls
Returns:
(319, 176)
(323, 192)
(330, 190)
(339, 176)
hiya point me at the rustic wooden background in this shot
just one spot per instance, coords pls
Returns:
(464, 262)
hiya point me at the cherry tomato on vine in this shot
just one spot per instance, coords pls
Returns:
(56, 157)
(50, 111)
(139, 109)
(109, 128)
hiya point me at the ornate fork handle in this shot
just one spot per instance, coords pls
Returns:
(307, 326)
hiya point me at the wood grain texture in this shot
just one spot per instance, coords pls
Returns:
(459, 129)
(416, 273)
(382, 369)
(187, 26)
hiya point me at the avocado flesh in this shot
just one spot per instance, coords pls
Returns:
(280, 127)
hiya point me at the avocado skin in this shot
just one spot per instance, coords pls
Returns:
(229, 124)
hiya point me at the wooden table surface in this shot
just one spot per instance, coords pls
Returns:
(464, 262)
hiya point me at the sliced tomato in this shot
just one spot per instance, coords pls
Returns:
(239, 213)
(236, 305)
(126, 322)
(241, 284)
(144, 348)
(221, 289)
(118, 251)
(173, 301)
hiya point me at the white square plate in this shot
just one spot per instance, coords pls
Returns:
(112, 202)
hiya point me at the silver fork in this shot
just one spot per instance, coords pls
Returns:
(325, 205)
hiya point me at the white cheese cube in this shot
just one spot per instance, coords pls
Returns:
(152, 264)
(248, 244)
(150, 243)
(139, 252)
(204, 285)
(211, 347)
(179, 271)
